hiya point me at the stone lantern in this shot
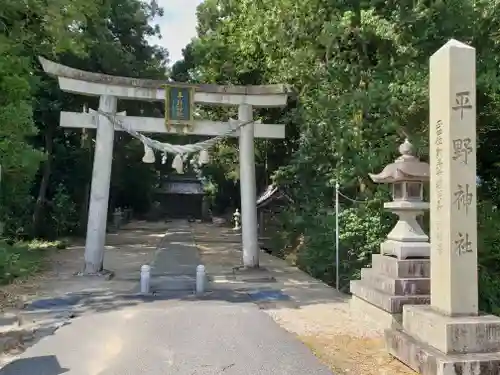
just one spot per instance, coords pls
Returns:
(400, 274)
(407, 176)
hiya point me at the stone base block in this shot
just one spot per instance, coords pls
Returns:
(400, 287)
(452, 335)
(365, 310)
(390, 303)
(429, 361)
(403, 250)
(401, 269)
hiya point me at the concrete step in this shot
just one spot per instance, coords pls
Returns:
(399, 287)
(401, 269)
(390, 303)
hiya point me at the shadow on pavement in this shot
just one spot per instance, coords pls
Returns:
(173, 279)
(46, 365)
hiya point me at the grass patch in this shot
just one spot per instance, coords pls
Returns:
(22, 259)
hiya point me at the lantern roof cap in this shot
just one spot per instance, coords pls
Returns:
(406, 167)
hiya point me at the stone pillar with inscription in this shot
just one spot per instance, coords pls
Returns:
(450, 336)
(400, 273)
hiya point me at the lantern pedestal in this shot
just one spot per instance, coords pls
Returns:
(405, 250)
(407, 239)
(387, 286)
(395, 280)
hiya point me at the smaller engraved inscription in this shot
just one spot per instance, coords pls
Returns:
(439, 162)
(462, 148)
(437, 237)
(439, 133)
(463, 244)
(462, 101)
(463, 197)
(439, 165)
(439, 193)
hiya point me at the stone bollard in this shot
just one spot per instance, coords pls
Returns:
(236, 219)
(145, 279)
(200, 279)
(117, 219)
(128, 214)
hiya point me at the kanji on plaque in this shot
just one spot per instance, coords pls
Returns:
(179, 104)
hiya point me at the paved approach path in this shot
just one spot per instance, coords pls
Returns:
(170, 335)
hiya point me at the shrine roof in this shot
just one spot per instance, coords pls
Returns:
(272, 193)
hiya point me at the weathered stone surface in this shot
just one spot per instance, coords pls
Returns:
(12, 336)
(401, 269)
(15, 336)
(59, 70)
(31, 316)
(8, 343)
(400, 287)
(404, 250)
(381, 318)
(464, 334)
(452, 79)
(8, 319)
(390, 303)
(428, 361)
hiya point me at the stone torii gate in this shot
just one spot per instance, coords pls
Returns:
(111, 88)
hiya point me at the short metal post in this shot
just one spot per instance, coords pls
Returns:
(145, 278)
(200, 279)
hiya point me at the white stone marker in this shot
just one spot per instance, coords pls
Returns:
(454, 286)
(449, 337)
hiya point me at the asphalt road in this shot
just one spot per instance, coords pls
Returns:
(170, 337)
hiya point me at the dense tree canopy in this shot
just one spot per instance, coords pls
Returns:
(359, 70)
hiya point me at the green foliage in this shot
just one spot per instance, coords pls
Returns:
(311, 240)
(18, 160)
(489, 257)
(63, 216)
(46, 171)
(23, 258)
(360, 72)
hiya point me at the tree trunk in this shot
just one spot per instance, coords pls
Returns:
(44, 184)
